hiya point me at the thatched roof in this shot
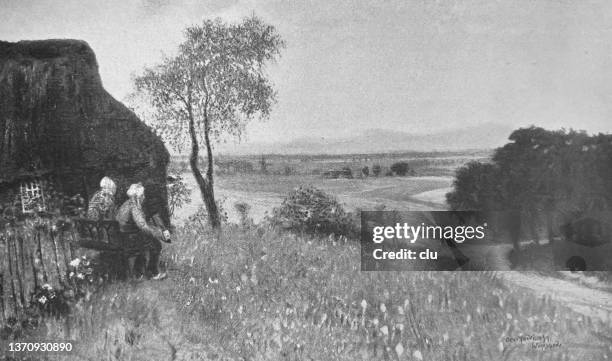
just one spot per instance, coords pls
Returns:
(55, 117)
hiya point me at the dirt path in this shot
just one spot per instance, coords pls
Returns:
(582, 299)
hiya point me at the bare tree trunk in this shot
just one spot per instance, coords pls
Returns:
(205, 184)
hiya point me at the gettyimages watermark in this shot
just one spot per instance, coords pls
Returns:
(468, 240)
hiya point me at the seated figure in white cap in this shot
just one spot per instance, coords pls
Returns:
(138, 233)
(102, 203)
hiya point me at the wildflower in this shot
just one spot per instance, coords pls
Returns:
(417, 355)
(237, 288)
(364, 304)
(80, 276)
(42, 300)
(383, 308)
(47, 287)
(399, 349)
(384, 330)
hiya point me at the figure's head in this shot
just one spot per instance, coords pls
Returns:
(107, 185)
(136, 191)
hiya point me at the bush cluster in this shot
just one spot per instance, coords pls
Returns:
(541, 178)
(310, 210)
(400, 168)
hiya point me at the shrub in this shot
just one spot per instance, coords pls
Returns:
(400, 168)
(200, 217)
(310, 210)
(376, 170)
(243, 209)
(178, 193)
(346, 172)
(365, 171)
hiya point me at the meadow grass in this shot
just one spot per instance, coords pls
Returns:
(282, 185)
(251, 293)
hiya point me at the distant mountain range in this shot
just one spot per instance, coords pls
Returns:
(484, 136)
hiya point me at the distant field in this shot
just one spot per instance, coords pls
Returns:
(422, 164)
(241, 179)
(264, 192)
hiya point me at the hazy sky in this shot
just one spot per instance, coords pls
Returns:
(416, 66)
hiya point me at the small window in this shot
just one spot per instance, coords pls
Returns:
(32, 197)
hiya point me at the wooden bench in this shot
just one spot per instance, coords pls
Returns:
(104, 236)
(99, 235)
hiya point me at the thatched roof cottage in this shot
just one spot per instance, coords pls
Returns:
(57, 122)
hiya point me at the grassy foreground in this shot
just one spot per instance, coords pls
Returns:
(254, 294)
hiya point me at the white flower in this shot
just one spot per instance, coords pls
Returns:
(399, 349)
(80, 276)
(75, 262)
(42, 300)
(47, 287)
(417, 355)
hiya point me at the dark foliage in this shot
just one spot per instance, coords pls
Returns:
(400, 168)
(310, 210)
(545, 178)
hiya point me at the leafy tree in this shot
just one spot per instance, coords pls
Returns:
(540, 177)
(400, 168)
(214, 86)
(475, 188)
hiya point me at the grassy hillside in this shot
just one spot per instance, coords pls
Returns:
(254, 294)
